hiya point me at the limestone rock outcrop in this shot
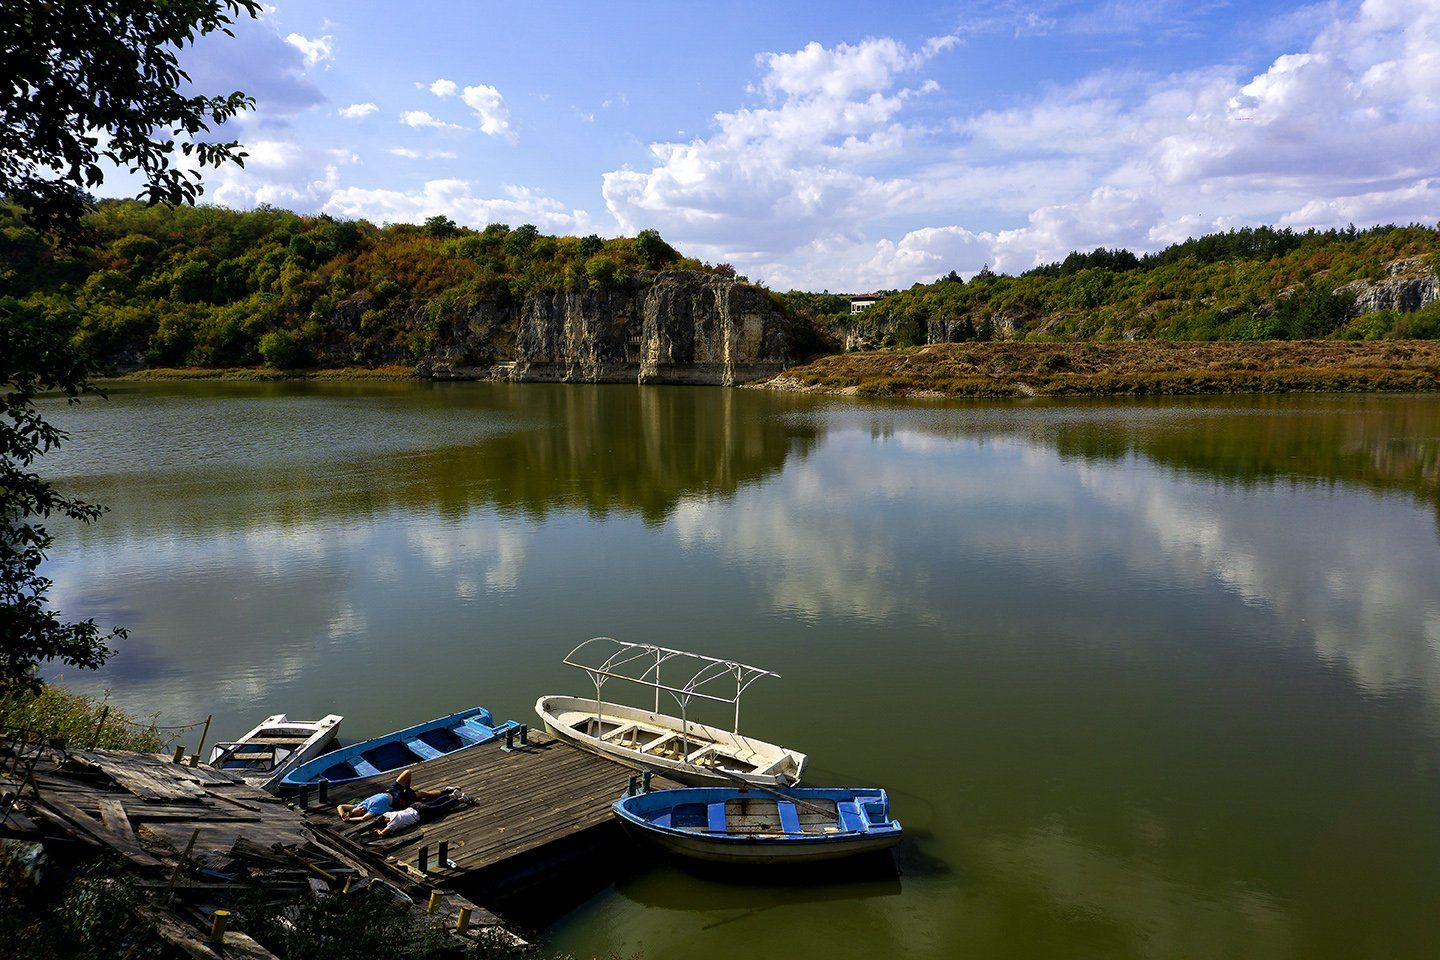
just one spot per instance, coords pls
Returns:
(1409, 286)
(673, 326)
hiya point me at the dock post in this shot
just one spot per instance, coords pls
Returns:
(442, 855)
(630, 787)
(304, 796)
(195, 758)
(463, 923)
(179, 753)
(435, 900)
(645, 782)
(524, 734)
(509, 739)
(324, 789)
(95, 740)
(217, 926)
(424, 858)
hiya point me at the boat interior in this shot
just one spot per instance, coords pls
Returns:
(260, 753)
(391, 755)
(693, 748)
(762, 817)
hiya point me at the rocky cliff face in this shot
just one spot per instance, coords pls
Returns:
(1408, 287)
(674, 326)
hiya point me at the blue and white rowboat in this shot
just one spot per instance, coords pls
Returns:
(790, 825)
(403, 748)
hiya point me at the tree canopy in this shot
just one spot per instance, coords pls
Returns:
(94, 81)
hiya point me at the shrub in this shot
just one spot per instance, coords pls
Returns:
(284, 350)
(59, 714)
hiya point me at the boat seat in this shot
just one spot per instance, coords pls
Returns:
(364, 768)
(660, 742)
(619, 731)
(698, 754)
(789, 816)
(423, 749)
(716, 815)
(850, 816)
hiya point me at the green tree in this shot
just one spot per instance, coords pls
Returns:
(518, 243)
(112, 67)
(652, 249)
(440, 227)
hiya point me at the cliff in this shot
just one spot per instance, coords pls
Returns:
(673, 326)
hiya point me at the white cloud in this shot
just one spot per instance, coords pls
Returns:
(772, 179)
(358, 110)
(412, 154)
(443, 88)
(455, 199)
(419, 118)
(1346, 128)
(490, 107)
(319, 50)
(282, 173)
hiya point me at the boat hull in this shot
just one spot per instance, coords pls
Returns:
(735, 757)
(738, 826)
(388, 754)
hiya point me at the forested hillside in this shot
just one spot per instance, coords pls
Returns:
(205, 286)
(1250, 284)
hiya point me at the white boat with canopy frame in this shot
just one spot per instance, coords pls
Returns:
(693, 753)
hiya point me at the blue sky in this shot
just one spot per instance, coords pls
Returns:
(842, 145)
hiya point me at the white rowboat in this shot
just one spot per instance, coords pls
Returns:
(691, 753)
(677, 747)
(275, 747)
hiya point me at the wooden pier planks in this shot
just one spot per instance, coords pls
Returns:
(526, 799)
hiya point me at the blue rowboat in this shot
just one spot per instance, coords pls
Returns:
(403, 748)
(788, 825)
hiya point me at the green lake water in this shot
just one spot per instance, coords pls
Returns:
(1148, 679)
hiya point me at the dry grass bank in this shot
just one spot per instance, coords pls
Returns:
(270, 373)
(1120, 369)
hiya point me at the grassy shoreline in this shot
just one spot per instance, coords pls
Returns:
(1155, 368)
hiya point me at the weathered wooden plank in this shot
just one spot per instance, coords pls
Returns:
(124, 841)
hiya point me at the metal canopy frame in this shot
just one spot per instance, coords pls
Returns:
(651, 658)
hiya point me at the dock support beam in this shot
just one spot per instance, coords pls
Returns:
(442, 856)
(435, 901)
(217, 926)
(463, 923)
(424, 859)
(645, 782)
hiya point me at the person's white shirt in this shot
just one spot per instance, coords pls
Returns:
(397, 820)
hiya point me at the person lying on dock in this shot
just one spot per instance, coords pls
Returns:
(402, 795)
(372, 806)
(437, 804)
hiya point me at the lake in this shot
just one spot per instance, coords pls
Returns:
(1144, 678)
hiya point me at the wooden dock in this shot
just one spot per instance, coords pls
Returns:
(532, 803)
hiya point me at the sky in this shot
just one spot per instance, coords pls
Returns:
(840, 146)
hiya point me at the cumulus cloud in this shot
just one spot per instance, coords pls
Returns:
(443, 88)
(456, 199)
(772, 178)
(490, 108)
(282, 173)
(1343, 127)
(319, 50)
(358, 110)
(420, 118)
